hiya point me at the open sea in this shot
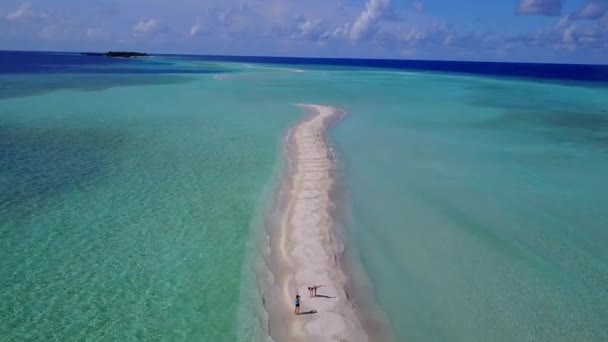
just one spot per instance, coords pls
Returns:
(133, 194)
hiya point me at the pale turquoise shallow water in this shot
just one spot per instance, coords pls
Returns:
(478, 206)
(126, 211)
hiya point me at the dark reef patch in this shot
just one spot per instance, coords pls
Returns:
(29, 85)
(38, 163)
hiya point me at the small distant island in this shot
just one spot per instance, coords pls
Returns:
(117, 54)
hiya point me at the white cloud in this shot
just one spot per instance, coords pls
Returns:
(540, 7)
(569, 39)
(308, 29)
(568, 34)
(592, 10)
(145, 26)
(20, 13)
(197, 28)
(339, 33)
(370, 15)
(415, 34)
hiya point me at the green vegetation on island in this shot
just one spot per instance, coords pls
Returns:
(117, 54)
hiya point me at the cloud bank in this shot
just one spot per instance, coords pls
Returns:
(367, 28)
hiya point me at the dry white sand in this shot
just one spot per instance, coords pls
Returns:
(308, 248)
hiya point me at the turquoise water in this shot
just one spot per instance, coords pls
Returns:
(131, 204)
(126, 210)
(479, 206)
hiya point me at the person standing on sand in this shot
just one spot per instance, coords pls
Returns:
(297, 309)
(313, 290)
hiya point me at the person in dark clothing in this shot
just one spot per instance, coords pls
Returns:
(297, 309)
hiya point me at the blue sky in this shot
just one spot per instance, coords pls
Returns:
(570, 31)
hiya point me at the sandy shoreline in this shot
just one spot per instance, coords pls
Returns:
(306, 252)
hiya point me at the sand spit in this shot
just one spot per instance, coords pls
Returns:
(306, 252)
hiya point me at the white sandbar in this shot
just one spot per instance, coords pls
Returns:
(308, 247)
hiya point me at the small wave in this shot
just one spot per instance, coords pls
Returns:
(249, 66)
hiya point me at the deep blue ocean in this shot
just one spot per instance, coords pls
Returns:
(49, 62)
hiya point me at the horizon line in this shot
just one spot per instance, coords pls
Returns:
(314, 58)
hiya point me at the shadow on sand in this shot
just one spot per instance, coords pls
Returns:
(310, 312)
(324, 296)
